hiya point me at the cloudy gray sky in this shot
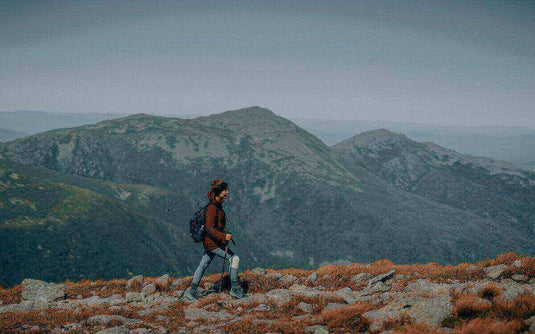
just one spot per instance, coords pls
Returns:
(443, 62)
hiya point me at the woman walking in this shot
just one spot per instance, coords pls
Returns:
(216, 241)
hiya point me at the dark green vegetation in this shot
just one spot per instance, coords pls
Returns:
(131, 185)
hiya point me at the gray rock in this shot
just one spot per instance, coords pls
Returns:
(494, 272)
(347, 295)
(35, 290)
(479, 286)
(378, 317)
(288, 279)
(302, 306)
(197, 314)
(259, 271)
(279, 296)
(114, 330)
(517, 264)
(382, 277)
(312, 278)
(424, 287)
(262, 308)
(153, 309)
(317, 329)
(141, 331)
(92, 301)
(134, 297)
(430, 311)
(275, 276)
(531, 323)
(104, 319)
(511, 289)
(136, 280)
(378, 287)
(163, 280)
(361, 278)
(149, 289)
(520, 278)
(22, 307)
(334, 306)
(175, 284)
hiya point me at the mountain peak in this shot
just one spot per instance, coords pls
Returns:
(373, 138)
(249, 111)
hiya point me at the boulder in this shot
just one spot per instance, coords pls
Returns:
(134, 297)
(347, 295)
(259, 271)
(511, 289)
(279, 296)
(262, 308)
(431, 311)
(378, 287)
(104, 319)
(134, 281)
(334, 306)
(163, 280)
(494, 272)
(317, 329)
(424, 287)
(114, 330)
(288, 279)
(520, 278)
(302, 306)
(382, 277)
(35, 290)
(275, 276)
(361, 278)
(199, 314)
(531, 323)
(312, 278)
(149, 289)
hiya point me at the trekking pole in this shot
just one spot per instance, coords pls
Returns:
(223, 269)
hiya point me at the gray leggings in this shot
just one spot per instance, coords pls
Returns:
(207, 258)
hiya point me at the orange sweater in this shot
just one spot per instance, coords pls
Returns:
(215, 224)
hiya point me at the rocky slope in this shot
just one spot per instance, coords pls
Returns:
(487, 187)
(293, 201)
(494, 295)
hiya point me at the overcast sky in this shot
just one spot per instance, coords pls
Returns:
(465, 63)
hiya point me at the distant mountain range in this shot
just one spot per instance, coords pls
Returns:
(515, 144)
(510, 143)
(124, 189)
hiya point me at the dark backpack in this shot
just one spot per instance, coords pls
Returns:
(197, 228)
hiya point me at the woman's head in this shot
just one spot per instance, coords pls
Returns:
(218, 186)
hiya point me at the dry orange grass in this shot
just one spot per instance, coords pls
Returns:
(415, 329)
(470, 306)
(99, 288)
(522, 307)
(245, 326)
(46, 319)
(490, 326)
(404, 320)
(490, 291)
(12, 295)
(349, 317)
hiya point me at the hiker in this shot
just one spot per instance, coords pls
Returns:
(216, 240)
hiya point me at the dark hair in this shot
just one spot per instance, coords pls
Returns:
(217, 186)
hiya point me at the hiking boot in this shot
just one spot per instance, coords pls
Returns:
(237, 292)
(192, 294)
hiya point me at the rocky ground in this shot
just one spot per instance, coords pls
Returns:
(492, 296)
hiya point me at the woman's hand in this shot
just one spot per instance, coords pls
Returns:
(228, 236)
